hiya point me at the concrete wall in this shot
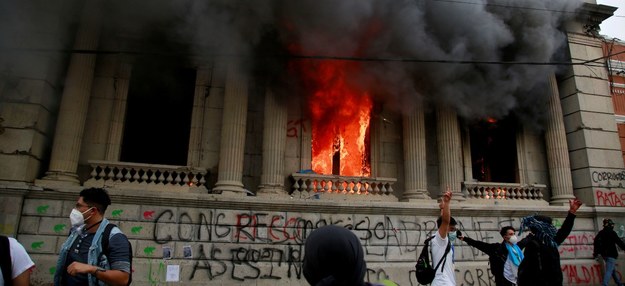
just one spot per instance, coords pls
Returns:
(256, 241)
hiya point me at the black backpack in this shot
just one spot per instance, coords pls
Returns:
(5, 260)
(105, 246)
(424, 271)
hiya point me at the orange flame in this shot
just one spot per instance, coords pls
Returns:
(340, 116)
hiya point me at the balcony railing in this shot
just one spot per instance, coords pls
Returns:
(140, 176)
(503, 191)
(316, 186)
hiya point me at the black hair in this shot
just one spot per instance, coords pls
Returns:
(439, 221)
(504, 230)
(96, 197)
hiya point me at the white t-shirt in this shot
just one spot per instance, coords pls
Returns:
(20, 260)
(510, 271)
(447, 277)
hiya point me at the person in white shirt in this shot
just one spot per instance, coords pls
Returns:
(20, 263)
(445, 236)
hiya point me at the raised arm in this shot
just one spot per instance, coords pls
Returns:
(487, 248)
(567, 226)
(445, 213)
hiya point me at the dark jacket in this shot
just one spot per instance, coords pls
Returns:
(605, 243)
(497, 256)
(541, 265)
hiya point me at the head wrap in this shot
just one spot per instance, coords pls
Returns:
(539, 225)
(334, 256)
(608, 222)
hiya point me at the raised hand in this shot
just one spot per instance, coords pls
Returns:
(574, 205)
(445, 199)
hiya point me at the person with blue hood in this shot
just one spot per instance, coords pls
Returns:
(333, 255)
(541, 265)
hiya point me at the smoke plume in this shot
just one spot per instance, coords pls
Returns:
(463, 53)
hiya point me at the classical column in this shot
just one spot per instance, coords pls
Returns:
(415, 155)
(521, 154)
(557, 150)
(118, 114)
(449, 151)
(466, 156)
(274, 145)
(75, 99)
(232, 146)
(202, 82)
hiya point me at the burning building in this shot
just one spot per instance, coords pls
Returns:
(233, 130)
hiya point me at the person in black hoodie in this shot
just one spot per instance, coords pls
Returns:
(541, 265)
(333, 256)
(504, 257)
(605, 245)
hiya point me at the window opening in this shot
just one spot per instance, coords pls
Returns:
(158, 116)
(493, 150)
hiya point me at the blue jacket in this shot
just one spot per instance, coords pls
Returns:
(93, 257)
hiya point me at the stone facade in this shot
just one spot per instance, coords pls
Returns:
(242, 204)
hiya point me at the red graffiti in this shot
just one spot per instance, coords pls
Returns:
(293, 126)
(282, 233)
(245, 221)
(578, 242)
(148, 214)
(584, 274)
(610, 199)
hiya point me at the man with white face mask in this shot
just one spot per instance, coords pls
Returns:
(504, 257)
(96, 252)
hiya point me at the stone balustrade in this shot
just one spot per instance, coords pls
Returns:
(503, 191)
(142, 176)
(313, 186)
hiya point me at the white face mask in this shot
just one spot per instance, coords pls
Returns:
(513, 239)
(76, 217)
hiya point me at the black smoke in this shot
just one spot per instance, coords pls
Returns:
(470, 54)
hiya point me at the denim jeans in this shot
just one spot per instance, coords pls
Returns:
(610, 270)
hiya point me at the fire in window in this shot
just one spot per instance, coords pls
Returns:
(340, 114)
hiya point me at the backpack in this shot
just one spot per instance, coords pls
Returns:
(5, 260)
(424, 271)
(105, 247)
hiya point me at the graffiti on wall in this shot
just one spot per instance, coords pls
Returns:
(609, 198)
(248, 246)
(294, 127)
(608, 178)
(259, 245)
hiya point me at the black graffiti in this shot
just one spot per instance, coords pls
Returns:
(608, 176)
(376, 275)
(155, 233)
(477, 277)
(187, 229)
(294, 261)
(248, 258)
(251, 246)
(245, 263)
(206, 263)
